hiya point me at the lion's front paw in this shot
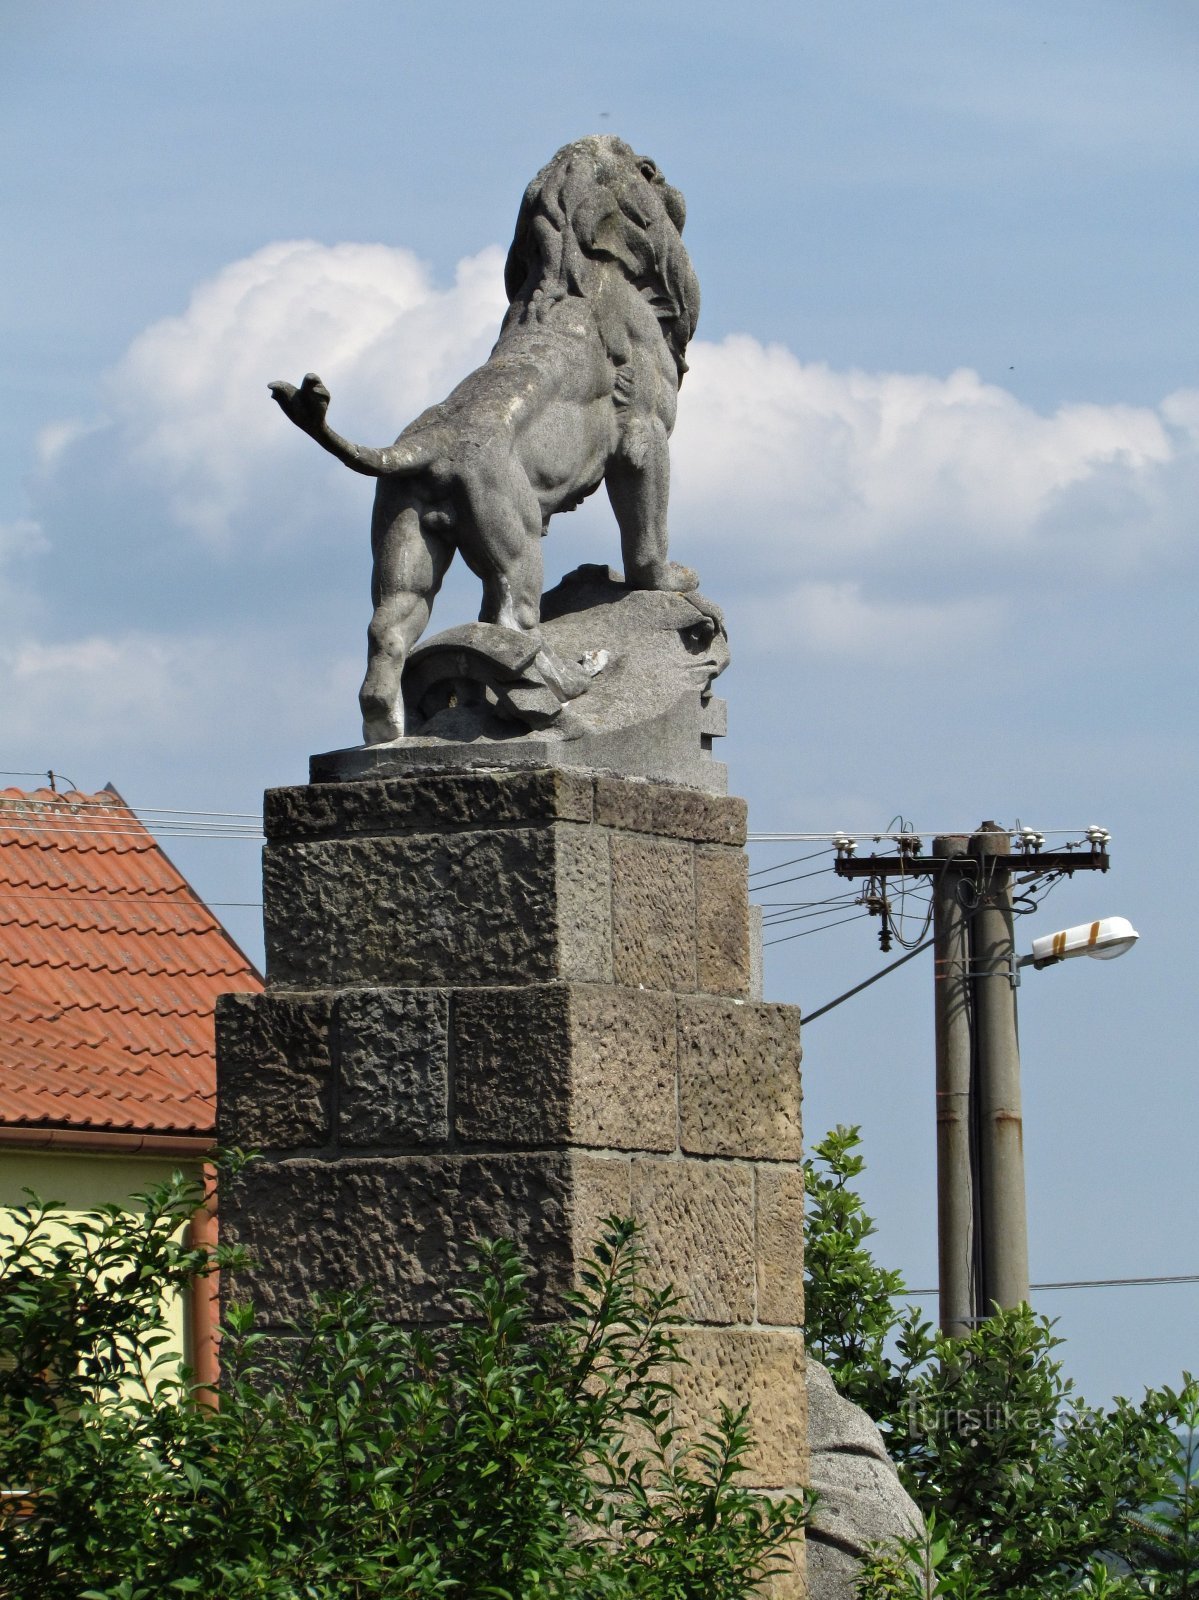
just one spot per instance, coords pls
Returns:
(305, 406)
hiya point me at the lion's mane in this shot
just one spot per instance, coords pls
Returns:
(597, 201)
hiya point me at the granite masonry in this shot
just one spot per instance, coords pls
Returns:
(513, 1003)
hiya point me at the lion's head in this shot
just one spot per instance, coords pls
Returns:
(596, 201)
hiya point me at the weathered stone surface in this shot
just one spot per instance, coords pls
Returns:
(755, 953)
(393, 1067)
(402, 1225)
(579, 1064)
(739, 1090)
(670, 811)
(779, 1209)
(791, 1583)
(583, 904)
(697, 1218)
(615, 678)
(862, 1501)
(600, 1188)
(419, 909)
(428, 802)
(653, 913)
(764, 1368)
(274, 1067)
(512, 1065)
(722, 962)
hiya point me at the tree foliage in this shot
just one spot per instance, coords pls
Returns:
(353, 1459)
(1030, 1492)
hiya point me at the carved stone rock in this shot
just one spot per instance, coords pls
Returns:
(862, 1501)
(614, 678)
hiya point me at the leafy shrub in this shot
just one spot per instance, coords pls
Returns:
(355, 1459)
(1030, 1493)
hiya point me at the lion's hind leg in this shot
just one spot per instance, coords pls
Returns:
(410, 563)
(500, 542)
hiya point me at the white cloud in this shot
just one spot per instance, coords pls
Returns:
(799, 488)
(190, 395)
(179, 691)
(21, 537)
(822, 469)
(837, 621)
(57, 437)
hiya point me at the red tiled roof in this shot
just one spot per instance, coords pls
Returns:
(110, 966)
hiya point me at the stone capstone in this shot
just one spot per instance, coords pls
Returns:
(367, 887)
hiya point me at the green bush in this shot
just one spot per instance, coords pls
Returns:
(354, 1459)
(1030, 1492)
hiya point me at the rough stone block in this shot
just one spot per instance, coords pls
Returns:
(583, 904)
(274, 1070)
(722, 921)
(393, 1067)
(792, 1581)
(653, 913)
(668, 810)
(504, 906)
(697, 1218)
(758, 1367)
(556, 1064)
(600, 1189)
(428, 802)
(739, 1090)
(779, 1203)
(402, 1225)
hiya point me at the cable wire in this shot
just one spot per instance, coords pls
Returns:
(123, 898)
(794, 862)
(798, 877)
(1079, 1283)
(806, 931)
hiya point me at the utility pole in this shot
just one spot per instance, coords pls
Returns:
(982, 1227)
(1003, 1224)
(960, 1290)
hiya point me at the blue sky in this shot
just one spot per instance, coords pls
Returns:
(938, 457)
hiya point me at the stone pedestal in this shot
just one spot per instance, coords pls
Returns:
(514, 1002)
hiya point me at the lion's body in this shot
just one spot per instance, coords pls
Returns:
(581, 389)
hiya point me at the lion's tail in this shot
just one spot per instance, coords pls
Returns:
(394, 460)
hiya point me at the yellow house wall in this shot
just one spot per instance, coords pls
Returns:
(83, 1181)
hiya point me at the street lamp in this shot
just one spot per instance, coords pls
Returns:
(1104, 940)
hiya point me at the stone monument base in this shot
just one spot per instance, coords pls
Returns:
(513, 1003)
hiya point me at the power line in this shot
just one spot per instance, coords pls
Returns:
(794, 862)
(779, 920)
(81, 802)
(123, 899)
(865, 984)
(798, 877)
(165, 830)
(1078, 1283)
(879, 835)
(787, 937)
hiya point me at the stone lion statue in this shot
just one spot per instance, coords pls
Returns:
(581, 388)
